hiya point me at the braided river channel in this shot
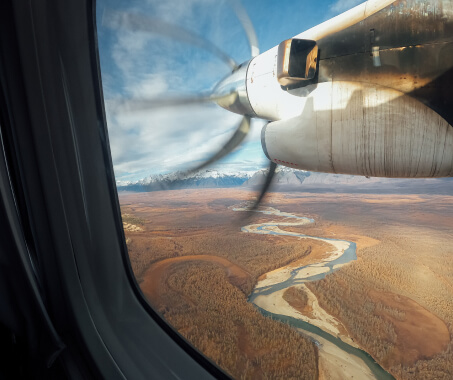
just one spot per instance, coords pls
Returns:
(321, 327)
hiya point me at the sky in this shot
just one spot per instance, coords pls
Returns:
(143, 64)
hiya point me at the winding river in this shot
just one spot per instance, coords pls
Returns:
(322, 328)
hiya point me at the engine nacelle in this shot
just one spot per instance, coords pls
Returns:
(370, 131)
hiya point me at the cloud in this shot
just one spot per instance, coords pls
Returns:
(343, 5)
(142, 65)
(161, 141)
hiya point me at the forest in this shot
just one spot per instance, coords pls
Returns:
(395, 301)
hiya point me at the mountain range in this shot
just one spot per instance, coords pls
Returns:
(179, 180)
(287, 179)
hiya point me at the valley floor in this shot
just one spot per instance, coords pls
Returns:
(397, 293)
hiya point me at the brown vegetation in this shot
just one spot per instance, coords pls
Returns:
(298, 299)
(396, 300)
(197, 296)
(131, 219)
(392, 328)
(196, 267)
(131, 223)
(156, 276)
(204, 225)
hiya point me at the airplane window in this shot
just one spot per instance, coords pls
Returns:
(283, 231)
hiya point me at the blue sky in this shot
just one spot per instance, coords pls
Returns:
(137, 64)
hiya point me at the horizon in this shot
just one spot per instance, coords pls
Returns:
(388, 185)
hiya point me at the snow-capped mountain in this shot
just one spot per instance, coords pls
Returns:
(283, 177)
(287, 179)
(180, 180)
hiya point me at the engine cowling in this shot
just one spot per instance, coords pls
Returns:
(370, 131)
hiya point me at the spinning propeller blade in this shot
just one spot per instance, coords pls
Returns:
(267, 183)
(238, 136)
(139, 23)
(246, 23)
(144, 104)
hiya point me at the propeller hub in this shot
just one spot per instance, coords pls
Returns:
(235, 85)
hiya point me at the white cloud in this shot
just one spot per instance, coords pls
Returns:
(148, 66)
(343, 5)
(161, 141)
(152, 85)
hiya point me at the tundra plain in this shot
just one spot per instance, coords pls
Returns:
(395, 301)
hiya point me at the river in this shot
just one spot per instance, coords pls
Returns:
(267, 295)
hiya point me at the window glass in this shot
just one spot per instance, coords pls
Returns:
(332, 276)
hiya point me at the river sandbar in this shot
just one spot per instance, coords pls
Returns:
(336, 364)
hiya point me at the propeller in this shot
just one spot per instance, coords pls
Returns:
(230, 93)
(235, 140)
(267, 184)
(146, 104)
